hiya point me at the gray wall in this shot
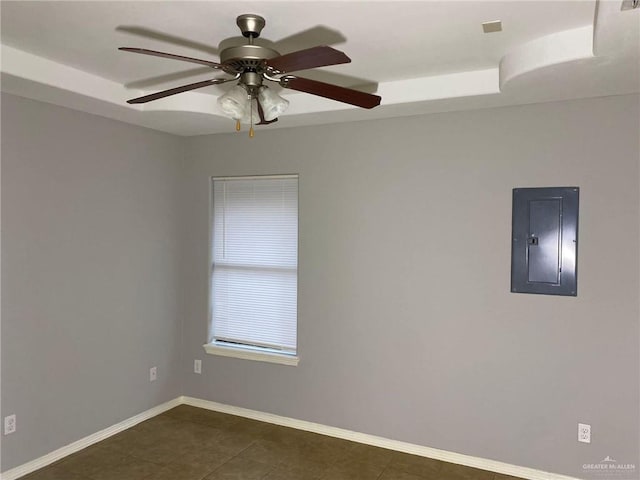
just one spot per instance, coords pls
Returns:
(407, 328)
(90, 273)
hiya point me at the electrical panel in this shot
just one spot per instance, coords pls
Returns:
(544, 242)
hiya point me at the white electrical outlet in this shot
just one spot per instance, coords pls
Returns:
(9, 424)
(197, 366)
(584, 433)
(153, 374)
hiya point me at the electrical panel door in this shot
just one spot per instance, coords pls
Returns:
(545, 240)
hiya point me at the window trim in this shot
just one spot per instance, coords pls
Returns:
(245, 352)
(248, 353)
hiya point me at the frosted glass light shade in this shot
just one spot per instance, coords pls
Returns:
(235, 103)
(272, 103)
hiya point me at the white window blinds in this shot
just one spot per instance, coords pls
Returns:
(255, 261)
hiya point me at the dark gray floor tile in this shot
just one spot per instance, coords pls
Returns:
(93, 460)
(54, 473)
(204, 456)
(415, 465)
(391, 474)
(452, 471)
(188, 443)
(352, 470)
(284, 472)
(366, 453)
(241, 469)
(131, 469)
(180, 471)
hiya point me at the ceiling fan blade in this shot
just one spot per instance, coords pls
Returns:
(318, 35)
(261, 115)
(183, 88)
(154, 53)
(145, 83)
(333, 92)
(148, 33)
(309, 58)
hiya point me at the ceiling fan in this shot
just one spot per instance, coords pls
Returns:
(250, 101)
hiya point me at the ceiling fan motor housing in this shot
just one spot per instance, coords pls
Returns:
(246, 57)
(250, 57)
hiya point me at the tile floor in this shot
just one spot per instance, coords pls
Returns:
(188, 443)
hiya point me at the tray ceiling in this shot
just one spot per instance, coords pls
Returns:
(419, 56)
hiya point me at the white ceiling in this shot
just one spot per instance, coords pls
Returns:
(420, 56)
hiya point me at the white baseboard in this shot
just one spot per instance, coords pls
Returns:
(452, 457)
(446, 456)
(56, 455)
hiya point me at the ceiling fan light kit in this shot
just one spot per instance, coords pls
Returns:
(273, 104)
(236, 103)
(250, 101)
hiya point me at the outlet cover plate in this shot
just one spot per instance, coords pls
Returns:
(584, 433)
(153, 374)
(9, 424)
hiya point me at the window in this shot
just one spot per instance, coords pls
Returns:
(254, 274)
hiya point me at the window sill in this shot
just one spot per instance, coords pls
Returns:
(247, 354)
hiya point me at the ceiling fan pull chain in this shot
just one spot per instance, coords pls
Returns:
(237, 125)
(251, 132)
